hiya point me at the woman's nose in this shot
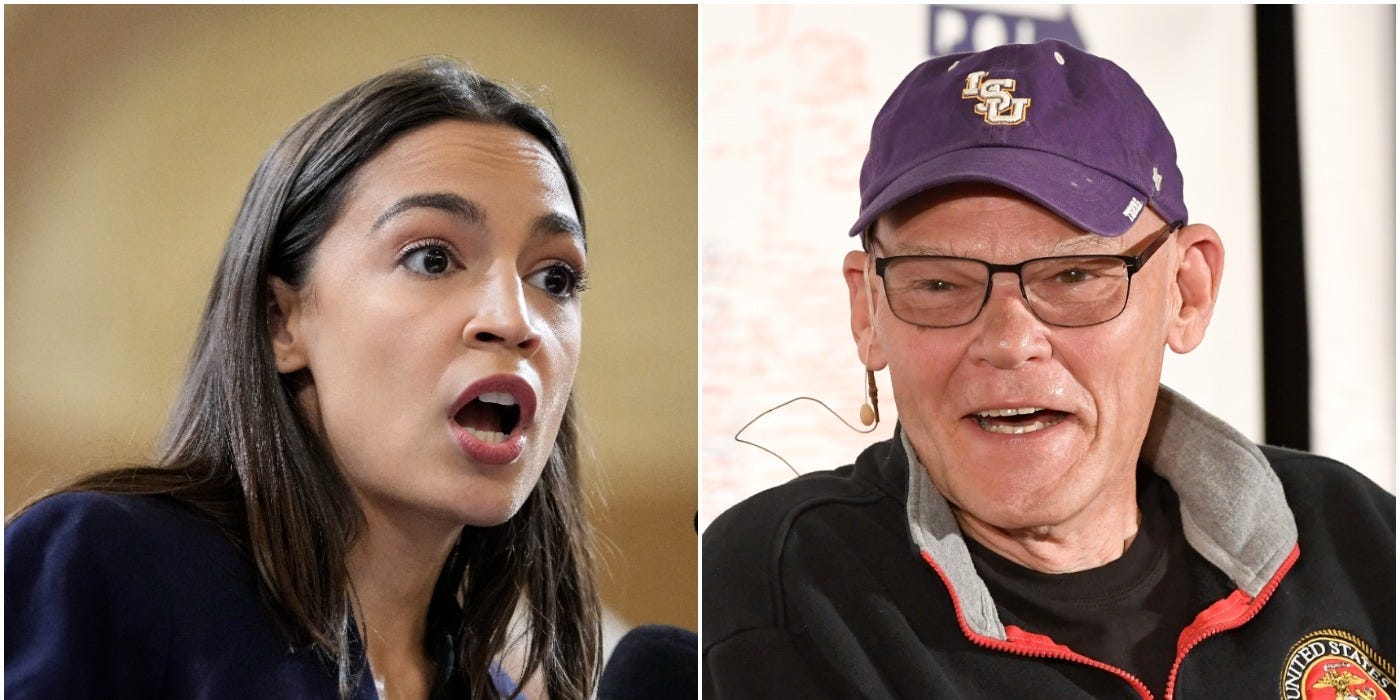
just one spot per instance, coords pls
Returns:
(501, 316)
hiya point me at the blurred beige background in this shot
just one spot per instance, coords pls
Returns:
(131, 134)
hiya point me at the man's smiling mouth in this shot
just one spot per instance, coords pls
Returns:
(1018, 421)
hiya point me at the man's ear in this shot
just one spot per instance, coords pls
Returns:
(1202, 262)
(284, 307)
(862, 296)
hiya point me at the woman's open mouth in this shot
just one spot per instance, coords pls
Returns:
(1018, 421)
(490, 417)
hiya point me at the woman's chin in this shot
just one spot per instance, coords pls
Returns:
(484, 507)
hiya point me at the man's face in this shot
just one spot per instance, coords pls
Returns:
(1093, 387)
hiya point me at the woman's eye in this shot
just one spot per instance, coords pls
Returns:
(430, 259)
(557, 280)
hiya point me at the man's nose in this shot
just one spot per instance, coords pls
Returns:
(1009, 333)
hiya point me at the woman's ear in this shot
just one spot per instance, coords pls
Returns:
(1197, 283)
(284, 316)
(863, 310)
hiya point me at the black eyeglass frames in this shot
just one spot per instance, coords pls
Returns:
(938, 291)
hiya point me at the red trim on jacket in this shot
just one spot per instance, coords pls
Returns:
(1225, 614)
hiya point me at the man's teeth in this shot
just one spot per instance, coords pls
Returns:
(490, 436)
(1015, 429)
(985, 422)
(1003, 412)
(497, 397)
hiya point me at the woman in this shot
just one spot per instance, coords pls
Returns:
(372, 460)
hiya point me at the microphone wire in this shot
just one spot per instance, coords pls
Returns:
(819, 402)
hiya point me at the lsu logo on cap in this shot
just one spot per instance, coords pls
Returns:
(994, 99)
(1331, 663)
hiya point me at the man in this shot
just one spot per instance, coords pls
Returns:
(1048, 521)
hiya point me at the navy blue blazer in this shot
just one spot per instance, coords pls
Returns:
(116, 596)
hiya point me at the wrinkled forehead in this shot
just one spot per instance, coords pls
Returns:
(980, 220)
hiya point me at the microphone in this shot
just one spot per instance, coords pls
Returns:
(652, 661)
(870, 410)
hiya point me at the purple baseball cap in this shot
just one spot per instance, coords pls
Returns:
(1067, 129)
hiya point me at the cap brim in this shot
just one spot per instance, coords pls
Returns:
(1086, 197)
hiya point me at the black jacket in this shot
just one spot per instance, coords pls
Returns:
(856, 583)
(120, 596)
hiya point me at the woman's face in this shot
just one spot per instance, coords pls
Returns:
(439, 323)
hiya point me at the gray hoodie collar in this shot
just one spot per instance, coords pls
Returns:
(1233, 510)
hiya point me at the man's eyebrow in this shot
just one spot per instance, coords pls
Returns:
(448, 202)
(558, 223)
(901, 249)
(1085, 243)
(1088, 242)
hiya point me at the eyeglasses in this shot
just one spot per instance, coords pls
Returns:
(940, 291)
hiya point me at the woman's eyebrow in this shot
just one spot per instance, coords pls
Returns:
(551, 224)
(558, 223)
(448, 202)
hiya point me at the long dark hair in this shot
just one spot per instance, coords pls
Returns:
(238, 449)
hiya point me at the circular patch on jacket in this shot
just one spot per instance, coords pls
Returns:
(1333, 664)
